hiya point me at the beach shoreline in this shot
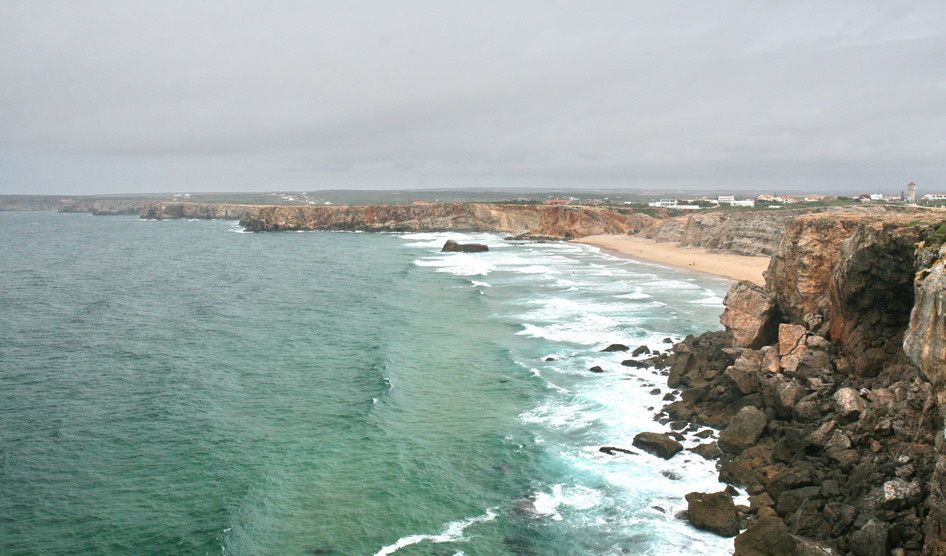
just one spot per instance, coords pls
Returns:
(726, 265)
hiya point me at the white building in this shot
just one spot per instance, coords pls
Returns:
(935, 197)
(665, 203)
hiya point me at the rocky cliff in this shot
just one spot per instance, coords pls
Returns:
(156, 210)
(744, 233)
(536, 221)
(829, 387)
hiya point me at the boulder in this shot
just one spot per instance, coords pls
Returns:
(790, 336)
(596, 369)
(616, 347)
(745, 372)
(714, 512)
(743, 431)
(899, 494)
(453, 247)
(657, 444)
(766, 536)
(870, 540)
(750, 315)
(849, 405)
(708, 450)
(641, 350)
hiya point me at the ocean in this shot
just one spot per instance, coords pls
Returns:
(181, 387)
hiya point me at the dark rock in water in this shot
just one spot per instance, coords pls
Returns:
(708, 450)
(704, 433)
(657, 444)
(714, 512)
(655, 392)
(669, 397)
(635, 364)
(616, 347)
(672, 475)
(667, 341)
(321, 550)
(596, 369)
(613, 450)
(641, 350)
(453, 247)
(550, 358)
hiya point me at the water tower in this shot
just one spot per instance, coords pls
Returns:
(911, 192)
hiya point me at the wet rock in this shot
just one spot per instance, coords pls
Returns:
(714, 512)
(657, 444)
(743, 431)
(655, 392)
(596, 369)
(750, 315)
(672, 475)
(613, 450)
(635, 363)
(616, 347)
(549, 358)
(849, 405)
(667, 340)
(452, 246)
(709, 450)
(641, 350)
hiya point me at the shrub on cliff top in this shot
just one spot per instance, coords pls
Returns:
(938, 237)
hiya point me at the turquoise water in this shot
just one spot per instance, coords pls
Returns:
(178, 387)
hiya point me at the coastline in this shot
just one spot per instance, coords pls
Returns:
(726, 265)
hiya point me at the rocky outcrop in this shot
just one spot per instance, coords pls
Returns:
(452, 246)
(833, 418)
(657, 444)
(530, 221)
(714, 512)
(925, 337)
(750, 315)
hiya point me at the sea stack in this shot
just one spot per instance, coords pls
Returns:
(454, 247)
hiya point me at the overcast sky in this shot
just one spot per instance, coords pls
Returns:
(127, 96)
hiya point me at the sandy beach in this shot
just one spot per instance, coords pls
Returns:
(737, 267)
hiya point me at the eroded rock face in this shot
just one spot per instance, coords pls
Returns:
(545, 221)
(925, 339)
(750, 315)
(871, 294)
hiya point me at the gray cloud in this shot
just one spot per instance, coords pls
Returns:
(130, 96)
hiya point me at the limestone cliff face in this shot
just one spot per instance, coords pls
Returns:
(925, 338)
(529, 220)
(103, 207)
(220, 211)
(744, 233)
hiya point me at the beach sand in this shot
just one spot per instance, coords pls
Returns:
(737, 267)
